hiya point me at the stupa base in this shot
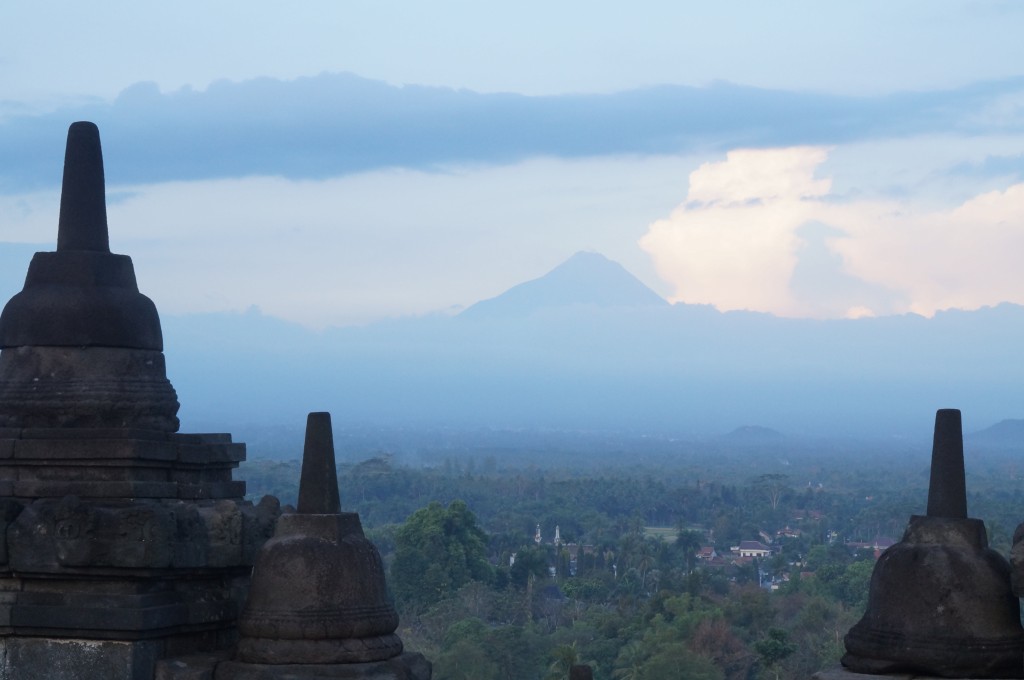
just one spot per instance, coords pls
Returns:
(25, 657)
(842, 673)
(407, 666)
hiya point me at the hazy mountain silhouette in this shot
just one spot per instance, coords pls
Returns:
(584, 279)
(753, 434)
(587, 347)
(1005, 433)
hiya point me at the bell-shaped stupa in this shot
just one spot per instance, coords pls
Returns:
(940, 602)
(318, 606)
(81, 346)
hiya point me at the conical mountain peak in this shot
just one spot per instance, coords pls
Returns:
(585, 279)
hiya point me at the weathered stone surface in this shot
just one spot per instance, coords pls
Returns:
(258, 524)
(198, 612)
(90, 473)
(76, 659)
(9, 511)
(90, 535)
(1017, 562)
(86, 387)
(192, 667)
(102, 466)
(307, 588)
(84, 433)
(80, 450)
(407, 666)
(211, 452)
(115, 489)
(840, 673)
(223, 522)
(63, 535)
(952, 614)
(201, 438)
(80, 299)
(328, 528)
(211, 490)
(341, 650)
(124, 622)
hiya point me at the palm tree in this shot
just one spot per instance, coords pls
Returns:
(645, 559)
(689, 543)
(630, 662)
(565, 657)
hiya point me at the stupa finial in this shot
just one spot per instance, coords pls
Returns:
(947, 488)
(83, 202)
(318, 484)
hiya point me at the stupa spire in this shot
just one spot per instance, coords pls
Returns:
(947, 487)
(318, 484)
(83, 202)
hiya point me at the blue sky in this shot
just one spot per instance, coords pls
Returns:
(338, 163)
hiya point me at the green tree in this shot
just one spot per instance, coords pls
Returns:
(585, 588)
(773, 649)
(678, 662)
(855, 582)
(466, 660)
(772, 487)
(529, 564)
(437, 551)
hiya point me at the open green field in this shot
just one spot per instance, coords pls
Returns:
(667, 533)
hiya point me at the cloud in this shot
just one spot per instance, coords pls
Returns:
(732, 244)
(996, 165)
(760, 231)
(337, 124)
(965, 257)
(750, 175)
(822, 287)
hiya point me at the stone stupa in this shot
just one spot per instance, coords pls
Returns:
(940, 601)
(123, 541)
(319, 606)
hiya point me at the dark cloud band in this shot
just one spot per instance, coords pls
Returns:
(336, 124)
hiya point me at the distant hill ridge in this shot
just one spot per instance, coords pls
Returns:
(753, 434)
(587, 346)
(1009, 432)
(586, 278)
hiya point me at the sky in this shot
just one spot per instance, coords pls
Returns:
(338, 163)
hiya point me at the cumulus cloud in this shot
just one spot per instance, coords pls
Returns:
(760, 231)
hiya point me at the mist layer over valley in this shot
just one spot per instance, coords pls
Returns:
(588, 348)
